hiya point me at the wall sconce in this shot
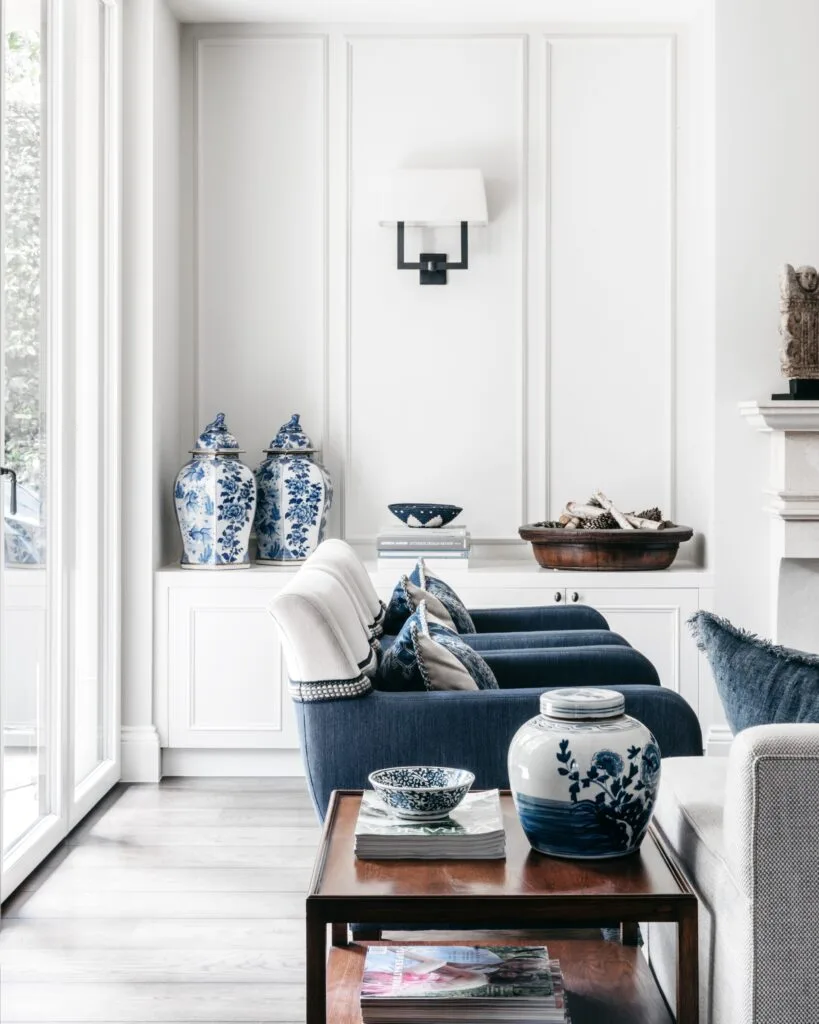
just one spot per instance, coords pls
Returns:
(433, 199)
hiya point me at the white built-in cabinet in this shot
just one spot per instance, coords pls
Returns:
(221, 682)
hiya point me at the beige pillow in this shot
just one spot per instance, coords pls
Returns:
(435, 609)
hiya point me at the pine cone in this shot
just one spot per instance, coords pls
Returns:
(606, 521)
(651, 513)
(552, 524)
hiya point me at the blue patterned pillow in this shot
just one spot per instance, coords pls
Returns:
(423, 578)
(405, 599)
(758, 682)
(427, 655)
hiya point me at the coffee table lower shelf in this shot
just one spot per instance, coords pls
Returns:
(606, 983)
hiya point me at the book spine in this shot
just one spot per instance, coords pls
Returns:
(413, 545)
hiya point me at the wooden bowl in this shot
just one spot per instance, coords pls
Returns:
(605, 550)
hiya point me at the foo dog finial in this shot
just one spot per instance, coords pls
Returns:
(799, 327)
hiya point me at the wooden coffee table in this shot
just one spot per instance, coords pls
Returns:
(607, 982)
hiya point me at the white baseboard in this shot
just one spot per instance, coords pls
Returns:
(141, 754)
(718, 741)
(241, 763)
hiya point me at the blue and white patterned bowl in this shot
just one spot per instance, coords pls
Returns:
(424, 514)
(421, 793)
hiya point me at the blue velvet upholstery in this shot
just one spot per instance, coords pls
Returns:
(525, 620)
(543, 638)
(597, 665)
(343, 741)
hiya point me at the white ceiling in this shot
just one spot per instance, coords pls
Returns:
(435, 11)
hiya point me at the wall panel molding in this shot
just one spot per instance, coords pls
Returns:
(202, 44)
(532, 405)
(353, 40)
(552, 43)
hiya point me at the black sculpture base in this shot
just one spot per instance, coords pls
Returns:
(800, 391)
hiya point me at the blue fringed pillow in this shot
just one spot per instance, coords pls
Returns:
(428, 655)
(442, 601)
(758, 682)
(405, 599)
(423, 578)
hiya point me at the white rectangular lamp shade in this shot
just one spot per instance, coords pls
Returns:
(432, 198)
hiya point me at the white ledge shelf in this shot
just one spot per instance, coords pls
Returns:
(491, 573)
(784, 415)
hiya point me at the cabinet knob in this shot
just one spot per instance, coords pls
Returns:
(558, 596)
(575, 596)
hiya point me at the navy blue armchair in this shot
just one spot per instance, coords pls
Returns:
(343, 741)
(348, 729)
(547, 617)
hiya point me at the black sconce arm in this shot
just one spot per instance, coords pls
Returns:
(433, 265)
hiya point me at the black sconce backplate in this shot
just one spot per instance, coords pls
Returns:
(433, 267)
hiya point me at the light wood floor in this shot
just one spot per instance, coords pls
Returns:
(170, 903)
(182, 902)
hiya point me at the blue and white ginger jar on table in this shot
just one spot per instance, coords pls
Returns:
(295, 495)
(584, 775)
(215, 499)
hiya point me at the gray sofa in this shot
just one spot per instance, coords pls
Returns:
(746, 830)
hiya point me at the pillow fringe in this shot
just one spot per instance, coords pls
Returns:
(696, 625)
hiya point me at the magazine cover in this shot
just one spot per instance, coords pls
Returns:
(457, 972)
(478, 814)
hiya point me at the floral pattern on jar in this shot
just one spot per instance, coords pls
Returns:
(215, 500)
(295, 495)
(584, 778)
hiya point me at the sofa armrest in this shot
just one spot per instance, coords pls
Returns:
(343, 741)
(524, 620)
(544, 638)
(595, 665)
(771, 829)
(772, 807)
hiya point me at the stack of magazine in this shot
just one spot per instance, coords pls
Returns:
(443, 984)
(448, 545)
(473, 831)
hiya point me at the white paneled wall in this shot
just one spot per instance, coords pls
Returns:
(435, 387)
(611, 169)
(260, 181)
(570, 355)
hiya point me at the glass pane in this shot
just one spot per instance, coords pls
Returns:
(24, 674)
(88, 674)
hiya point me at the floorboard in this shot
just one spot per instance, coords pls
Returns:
(181, 903)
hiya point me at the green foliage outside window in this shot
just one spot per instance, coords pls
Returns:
(24, 376)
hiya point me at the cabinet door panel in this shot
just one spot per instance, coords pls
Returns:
(227, 683)
(653, 621)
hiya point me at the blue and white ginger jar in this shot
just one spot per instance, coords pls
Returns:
(295, 495)
(584, 775)
(215, 499)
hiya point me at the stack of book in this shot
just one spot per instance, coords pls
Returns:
(443, 984)
(447, 544)
(473, 831)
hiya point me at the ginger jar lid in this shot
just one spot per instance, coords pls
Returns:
(577, 703)
(290, 438)
(216, 439)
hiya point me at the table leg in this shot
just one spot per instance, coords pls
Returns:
(316, 971)
(688, 993)
(629, 933)
(338, 931)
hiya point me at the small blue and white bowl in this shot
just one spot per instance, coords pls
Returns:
(422, 792)
(425, 515)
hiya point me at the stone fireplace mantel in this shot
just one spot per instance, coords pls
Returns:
(793, 505)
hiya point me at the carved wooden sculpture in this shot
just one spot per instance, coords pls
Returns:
(799, 323)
